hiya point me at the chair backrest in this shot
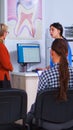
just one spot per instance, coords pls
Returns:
(13, 105)
(48, 108)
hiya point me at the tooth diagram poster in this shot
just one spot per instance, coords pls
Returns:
(24, 19)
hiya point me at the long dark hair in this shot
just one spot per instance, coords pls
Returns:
(61, 48)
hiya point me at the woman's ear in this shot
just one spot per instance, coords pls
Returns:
(52, 52)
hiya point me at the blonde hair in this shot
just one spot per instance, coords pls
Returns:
(3, 28)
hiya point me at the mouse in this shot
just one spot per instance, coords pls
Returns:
(35, 70)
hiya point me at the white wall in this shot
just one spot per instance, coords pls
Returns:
(61, 11)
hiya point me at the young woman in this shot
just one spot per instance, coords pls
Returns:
(59, 76)
(56, 31)
(5, 63)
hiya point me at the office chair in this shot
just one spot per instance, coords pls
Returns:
(13, 106)
(50, 114)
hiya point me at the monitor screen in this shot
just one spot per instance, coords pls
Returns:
(28, 53)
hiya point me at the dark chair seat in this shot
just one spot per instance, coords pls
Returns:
(51, 114)
(13, 107)
(12, 127)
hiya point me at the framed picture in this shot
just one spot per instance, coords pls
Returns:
(69, 33)
(24, 18)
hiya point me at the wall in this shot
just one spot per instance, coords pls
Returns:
(2, 10)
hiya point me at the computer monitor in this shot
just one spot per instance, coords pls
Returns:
(28, 53)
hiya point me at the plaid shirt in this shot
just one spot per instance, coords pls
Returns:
(50, 78)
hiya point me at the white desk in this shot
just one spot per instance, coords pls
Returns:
(27, 81)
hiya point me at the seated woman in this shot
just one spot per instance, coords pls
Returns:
(59, 76)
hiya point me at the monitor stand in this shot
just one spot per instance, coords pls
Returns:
(23, 68)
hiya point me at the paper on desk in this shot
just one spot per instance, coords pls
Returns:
(39, 72)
